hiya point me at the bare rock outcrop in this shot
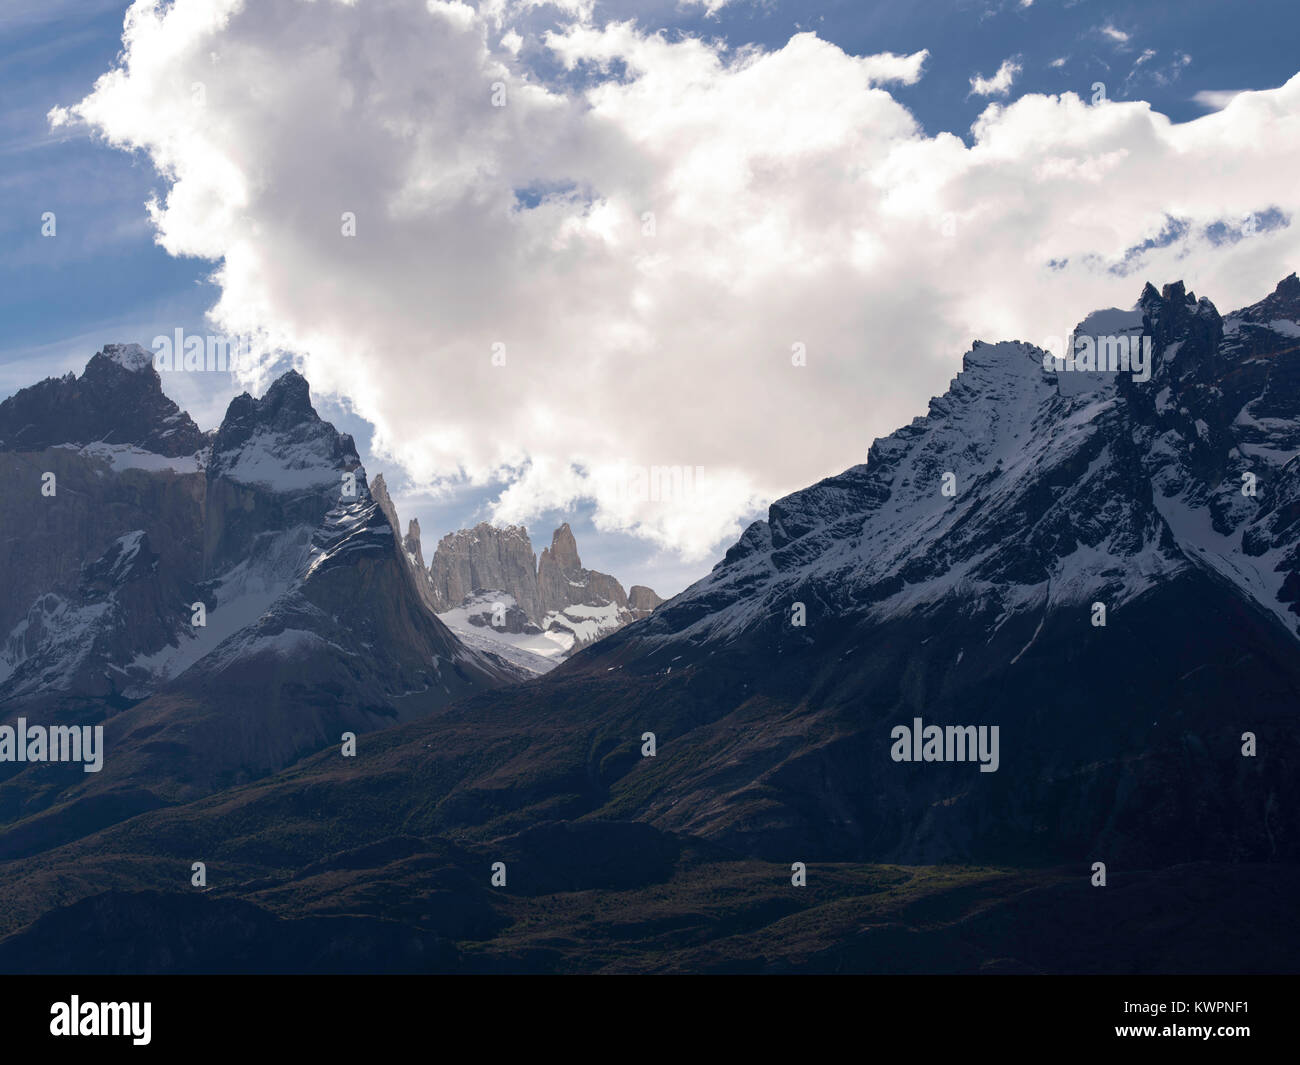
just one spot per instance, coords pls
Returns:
(485, 558)
(555, 594)
(562, 581)
(642, 600)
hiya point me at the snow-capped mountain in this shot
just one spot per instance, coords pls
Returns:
(1100, 565)
(1104, 564)
(112, 405)
(955, 577)
(225, 603)
(1066, 488)
(492, 591)
(103, 485)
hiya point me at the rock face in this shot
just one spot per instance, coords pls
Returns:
(642, 601)
(379, 489)
(482, 558)
(221, 613)
(103, 480)
(118, 400)
(562, 582)
(490, 588)
(409, 544)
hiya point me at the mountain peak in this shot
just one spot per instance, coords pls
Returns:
(289, 397)
(286, 401)
(411, 544)
(642, 600)
(564, 549)
(117, 400)
(556, 606)
(485, 557)
(295, 449)
(1282, 304)
(379, 493)
(131, 357)
(1030, 470)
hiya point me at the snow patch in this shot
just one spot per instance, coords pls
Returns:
(130, 357)
(122, 457)
(269, 460)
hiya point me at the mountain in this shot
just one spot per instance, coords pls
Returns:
(642, 601)
(652, 793)
(483, 558)
(969, 600)
(115, 403)
(1173, 504)
(103, 479)
(410, 544)
(492, 591)
(221, 613)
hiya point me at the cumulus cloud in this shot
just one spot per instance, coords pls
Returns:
(624, 265)
(999, 84)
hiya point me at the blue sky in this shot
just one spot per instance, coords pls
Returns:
(106, 279)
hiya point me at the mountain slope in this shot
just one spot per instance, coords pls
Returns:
(1063, 495)
(220, 619)
(1071, 489)
(773, 740)
(495, 594)
(976, 608)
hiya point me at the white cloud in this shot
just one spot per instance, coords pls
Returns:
(697, 213)
(461, 15)
(1216, 99)
(1114, 34)
(711, 7)
(999, 84)
(888, 67)
(1164, 75)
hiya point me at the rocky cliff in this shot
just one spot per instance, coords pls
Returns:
(221, 613)
(485, 557)
(493, 591)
